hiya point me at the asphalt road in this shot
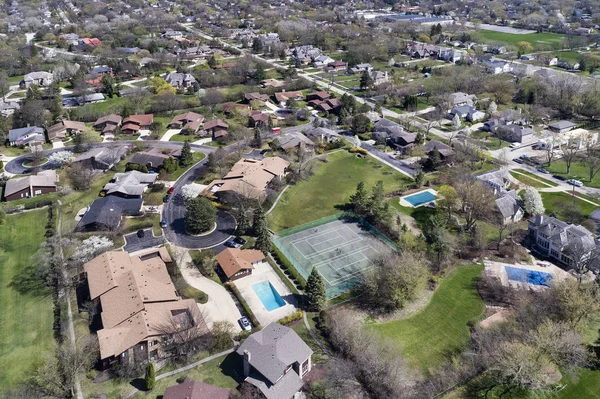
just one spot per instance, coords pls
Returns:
(133, 243)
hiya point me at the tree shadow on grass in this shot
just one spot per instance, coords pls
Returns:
(30, 281)
(139, 384)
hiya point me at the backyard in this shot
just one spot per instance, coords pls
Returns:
(557, 203)
(26, 318)
(326, 192)
(440, 329)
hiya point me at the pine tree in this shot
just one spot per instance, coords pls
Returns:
(263, 238)
(186, 158)
(242, 224)
(150, 378)
(315, 291)
(376, 200)
(257, 142)
(359, 199)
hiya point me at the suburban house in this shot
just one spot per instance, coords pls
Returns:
(459, 99)
(31, 135)
(555, 238)
(101, 158)
(189, 121)
(468, 112)
(70, 100)
(282, 97)
(360, 68)
(562, 126)
(508, 202)
(323, 135)
(30, 186)
(446, 152)
(108, 124)
(105, 214)
(304, 54)
(275, 360)
(195, 390)
(130, 184)
(172, 34)
(61, 129)
(452, 55)
(322, 61)
(8, 108)
(249, 178)
(217, 128)
(256, 97)
(135, 123)
(237, 263)
(515, 133)
(195, 52)
(262, 119)
(40, 78)
(379, 77)
(135, 296)
(153, 158)
(292, 141)
(180, 80)
(90, 42)
(317, 96)
(331, 105)
(498, 67)
(336, 66)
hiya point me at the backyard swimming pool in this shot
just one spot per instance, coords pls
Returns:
(268, 295)
(420, 198)
(528, 276)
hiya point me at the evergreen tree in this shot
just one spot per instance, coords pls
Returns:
(257, 142)
(186, 158)
(366, 80)
(419, 177)
(242, 224)
(359, 199)
(263, 238)
(261, 73)
(376, 200)
(315, 291)
(201, 215)
(150, 377)
(212, 62)
(257, 46)
(108, 85)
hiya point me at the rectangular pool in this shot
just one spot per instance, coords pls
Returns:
(268, 295)
(420, 198)
(528, 276)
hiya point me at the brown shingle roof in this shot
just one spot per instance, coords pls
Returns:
(234, 260)
(216, 123)
(141, 120)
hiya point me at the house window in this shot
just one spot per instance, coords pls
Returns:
(124, 354)
(142, 347)
(554, 253)
(37, 192)
(305, 367)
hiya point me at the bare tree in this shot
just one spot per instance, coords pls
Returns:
(591, 159)
(211, 98)
(36, 158)
(185, 333)
(476, 199)
(81, 177)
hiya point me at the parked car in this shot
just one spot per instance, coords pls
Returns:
(239, 240)
(232, 244)
(170, 191)
(559, 177)
(166, 198)
(141, 234)
(575, 183)
(163, 223)
(245, 323)
(524, 156)
(542, 170)
(518, 160)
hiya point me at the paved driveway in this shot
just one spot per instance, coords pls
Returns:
(170, 133)
(133, 243)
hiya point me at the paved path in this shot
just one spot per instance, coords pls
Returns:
(391, 162)
(169, 133)
(220, 305)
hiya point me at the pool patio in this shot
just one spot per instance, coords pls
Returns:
(404, 202)
(264, 272)
(498, 270)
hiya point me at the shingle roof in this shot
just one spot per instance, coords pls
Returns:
(108, 211)
(562, 125)
(45, 178)
(234, 260)
(130, 183)
(15, 134)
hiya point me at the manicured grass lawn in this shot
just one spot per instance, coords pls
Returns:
(440, 329)
(326, 192)
(578, 171)
(132, 224)
(13, 151)
(568, 55)
(198, 156)
(537, 40)
(528, 180)
(26, 308)
(555, 202)
(15, 79)
(183, 137)
(524, 172)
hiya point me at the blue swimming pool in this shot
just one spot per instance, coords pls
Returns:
(420, 198)
(528, 276)
(268, 295)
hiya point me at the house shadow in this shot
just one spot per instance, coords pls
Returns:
(139, 384)
(231, 366)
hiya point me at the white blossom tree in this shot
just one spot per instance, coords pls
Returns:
(533, 202)
(61, 158)
(456, 122)
(190, 191)
(91, 247)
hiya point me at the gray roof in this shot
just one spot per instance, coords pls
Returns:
(562, 125)
(15, 134)
(273, 349)
(286, 387)
(37, 75)
(46, 178)
(148, 158)
(130, 183)
(179, 77)
(107, 211)
(321, 132)
(563, 234)
(291, 140)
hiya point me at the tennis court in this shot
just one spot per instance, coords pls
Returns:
(341, 250)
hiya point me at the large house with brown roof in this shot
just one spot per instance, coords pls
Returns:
(217, 128)
(283, 97)
(135, 296)
(237, 263)
(108, 124)
(249, 177)
(190, 121)
(135, 123)
(31, 186)
(59, 131)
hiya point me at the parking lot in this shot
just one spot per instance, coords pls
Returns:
(133, 243)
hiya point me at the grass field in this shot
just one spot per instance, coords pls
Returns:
(537, 40)
(26, 316)
(578, 171)
(528, 180)
(555, 202)
(326, 192)
(547, 182)
(441, 328)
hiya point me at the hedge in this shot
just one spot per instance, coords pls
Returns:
(31, 204)
(282, 276)
(243, 302)
(358, 150)
(289, 267)
(291, 318)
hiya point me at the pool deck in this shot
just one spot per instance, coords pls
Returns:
(405, 203)
(496, 269)
(262, 272)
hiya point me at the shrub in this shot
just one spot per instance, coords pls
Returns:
(244, 304)
(289, 268)
(156, 187)
(291, 318)
(150, 377)
(358, 150)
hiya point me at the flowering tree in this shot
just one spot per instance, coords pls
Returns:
(92, 247)
(191, 191)
(533, 202)
(61, 158)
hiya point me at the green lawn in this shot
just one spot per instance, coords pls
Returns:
(568, 55)
(326, 192)
(183, 137)
(555, 202)
(441, 328)
(26, 308)
(546, 181)
(537, 40)
(578, 171)
(198, 156)
(528, 180)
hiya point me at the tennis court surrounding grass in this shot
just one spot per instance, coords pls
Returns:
(537, 40)
(331, 186)
(441, 328)
(25, 306)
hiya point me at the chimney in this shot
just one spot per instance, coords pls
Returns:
(247, 358)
